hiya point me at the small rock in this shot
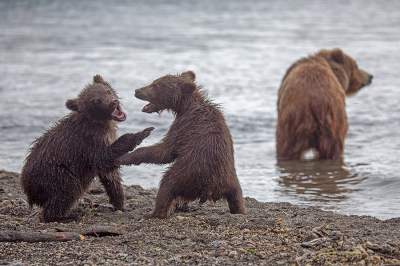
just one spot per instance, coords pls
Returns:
(181, 218)
(217, 243)
(381, 248)
(180, 237)
(233, 254)
(250, 244)
(6, 176)
(6, 204)
(213, 221)
(314, 242)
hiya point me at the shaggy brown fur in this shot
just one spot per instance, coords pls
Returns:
(311, 104)
(198, 142)
(63, 162)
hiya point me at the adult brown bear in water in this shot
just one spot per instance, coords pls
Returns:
(63, 162)
(198, 143)
(311, 104)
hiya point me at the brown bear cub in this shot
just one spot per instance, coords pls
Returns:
(311, 105)
(63, 162)
(198, 142)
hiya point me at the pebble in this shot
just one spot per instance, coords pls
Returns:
(217, 243)
(180, 218)
(232, 253)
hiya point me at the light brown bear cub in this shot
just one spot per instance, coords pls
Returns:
(63, 162)
(198, 143)
(311, 104)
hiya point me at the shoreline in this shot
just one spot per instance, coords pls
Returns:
(270, 233)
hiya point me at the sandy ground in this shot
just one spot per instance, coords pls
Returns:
(271, 233)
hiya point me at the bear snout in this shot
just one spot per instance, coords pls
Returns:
(366, 77)
(370, 78)
(140, 94)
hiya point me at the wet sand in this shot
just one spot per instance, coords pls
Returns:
(271, 233)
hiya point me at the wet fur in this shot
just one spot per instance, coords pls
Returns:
(198, 144)
(311, 105)
(64, 160)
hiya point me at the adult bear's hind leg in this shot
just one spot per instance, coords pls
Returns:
(329, 148)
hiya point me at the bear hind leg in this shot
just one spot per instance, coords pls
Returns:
(235, 199)
(292, 147)
(112, 183)
(164, 200)
(329, 148)
(58, 210)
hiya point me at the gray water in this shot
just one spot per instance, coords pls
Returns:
(239, 50)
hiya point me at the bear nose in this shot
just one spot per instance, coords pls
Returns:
(138, 93)
(370, 78)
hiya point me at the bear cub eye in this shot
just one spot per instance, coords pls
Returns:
(97, 101)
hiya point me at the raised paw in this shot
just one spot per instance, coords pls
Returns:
(129, 141)
(143, 134)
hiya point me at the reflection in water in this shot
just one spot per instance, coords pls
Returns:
(318, 180)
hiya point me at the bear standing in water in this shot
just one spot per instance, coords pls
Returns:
(63, 162)
(311, 104)
(198, 142)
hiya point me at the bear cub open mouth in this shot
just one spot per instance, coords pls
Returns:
(118, 114)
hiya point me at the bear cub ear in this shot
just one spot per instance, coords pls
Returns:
(189, 75)
(98, 79)
(72, 104)
(188, 87)
(337, 55)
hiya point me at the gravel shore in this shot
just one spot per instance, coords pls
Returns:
(270, 233)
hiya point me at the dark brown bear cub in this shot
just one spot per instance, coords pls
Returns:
(198, 142)
(311, 104)
(63, 162)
